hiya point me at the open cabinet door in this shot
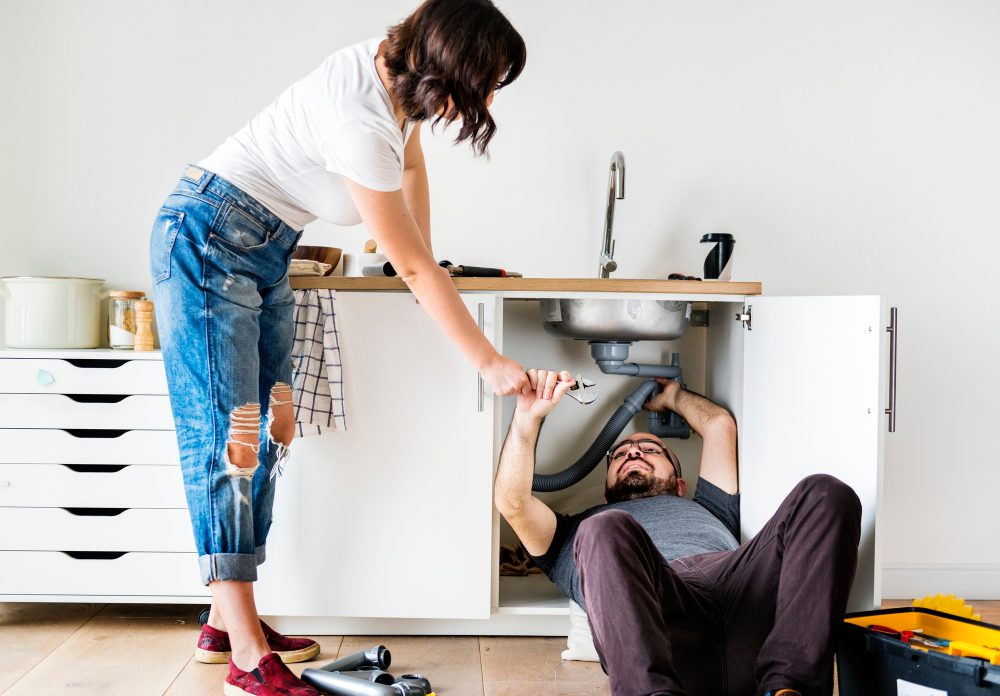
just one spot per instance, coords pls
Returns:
(812, 403)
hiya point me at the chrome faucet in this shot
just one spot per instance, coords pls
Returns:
(616, 189)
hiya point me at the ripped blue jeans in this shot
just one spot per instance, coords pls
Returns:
(224, 310)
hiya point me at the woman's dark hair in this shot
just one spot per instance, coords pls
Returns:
(463, 49)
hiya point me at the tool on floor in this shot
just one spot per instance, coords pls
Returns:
(363, 674)
(378, 657)
(341, 684)
(584, 391)
(371, 674)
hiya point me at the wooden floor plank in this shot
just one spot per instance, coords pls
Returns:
(124, 650)
(451, 663)
(29, 632)
(533, 666)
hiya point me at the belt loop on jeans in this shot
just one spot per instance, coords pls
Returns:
(201, 176)
(205, 181)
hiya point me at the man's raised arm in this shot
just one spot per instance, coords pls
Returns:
(531, 519)
(713, 423)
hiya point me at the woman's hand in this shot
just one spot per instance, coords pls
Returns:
(542, 393)
(505, 376)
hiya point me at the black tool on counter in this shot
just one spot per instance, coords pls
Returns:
(681, 276)
(477, 271)
(386, 269)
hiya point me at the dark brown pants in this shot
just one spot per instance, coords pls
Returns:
(731, 623)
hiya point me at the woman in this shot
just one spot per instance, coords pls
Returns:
(342, 144)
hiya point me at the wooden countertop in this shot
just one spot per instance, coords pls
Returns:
(520, 285)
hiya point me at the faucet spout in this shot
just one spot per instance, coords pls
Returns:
(616, 190)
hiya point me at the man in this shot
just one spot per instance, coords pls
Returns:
(675, 604)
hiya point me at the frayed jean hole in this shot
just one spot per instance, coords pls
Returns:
(281, 415)
(243, 446)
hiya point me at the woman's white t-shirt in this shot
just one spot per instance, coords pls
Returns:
(335, 123)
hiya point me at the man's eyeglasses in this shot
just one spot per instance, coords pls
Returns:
(618, 452)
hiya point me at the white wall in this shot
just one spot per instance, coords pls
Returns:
(851, 147)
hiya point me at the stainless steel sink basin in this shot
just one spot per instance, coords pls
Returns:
(615, 320)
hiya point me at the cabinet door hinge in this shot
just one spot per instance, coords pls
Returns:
(745, 317)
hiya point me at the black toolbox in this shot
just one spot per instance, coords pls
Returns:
(870, 663)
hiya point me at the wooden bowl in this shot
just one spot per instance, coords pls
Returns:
(330, 255)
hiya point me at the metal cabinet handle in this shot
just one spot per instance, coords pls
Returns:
(482, 329)
(893, 331)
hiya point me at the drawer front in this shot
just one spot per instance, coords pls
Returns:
(94, 529)
(57, 485)
(60, 411)
(99, 376)
(136, 574)
(47, 446)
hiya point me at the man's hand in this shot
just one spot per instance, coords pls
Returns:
(666, 400)
(542, 393)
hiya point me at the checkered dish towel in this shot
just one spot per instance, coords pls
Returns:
(318, 377)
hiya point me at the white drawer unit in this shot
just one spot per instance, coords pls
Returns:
(92, 500)
(91, 485)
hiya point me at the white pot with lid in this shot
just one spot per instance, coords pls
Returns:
(46, 312)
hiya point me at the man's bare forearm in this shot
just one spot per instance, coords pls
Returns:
(516, 468)
(701, 413)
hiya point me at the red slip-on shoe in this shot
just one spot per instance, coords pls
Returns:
(214, 648)
(270, 678)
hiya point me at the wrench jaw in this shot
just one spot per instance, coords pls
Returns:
(584, 391)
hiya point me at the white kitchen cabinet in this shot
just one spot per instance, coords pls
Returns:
(805, 381)
(394, 516)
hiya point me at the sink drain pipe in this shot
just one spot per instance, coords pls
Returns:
(610, 357)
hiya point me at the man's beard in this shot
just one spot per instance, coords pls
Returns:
(638, 484)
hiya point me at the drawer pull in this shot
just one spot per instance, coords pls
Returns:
(89, 362)
(97, 398)
(44, 378)
(95, 432)
(96, 468)
(95, 512)
(95, 555)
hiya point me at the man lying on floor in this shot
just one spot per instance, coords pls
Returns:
(676, 605)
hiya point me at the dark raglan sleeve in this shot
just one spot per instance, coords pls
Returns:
(564, 527)
(724, 507)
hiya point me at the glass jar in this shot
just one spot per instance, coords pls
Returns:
(121, 318)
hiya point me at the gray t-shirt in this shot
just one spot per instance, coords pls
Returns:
(679, 527)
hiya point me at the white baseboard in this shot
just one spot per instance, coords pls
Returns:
(966, 580)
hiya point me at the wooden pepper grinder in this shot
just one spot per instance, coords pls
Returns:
(143, 325)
